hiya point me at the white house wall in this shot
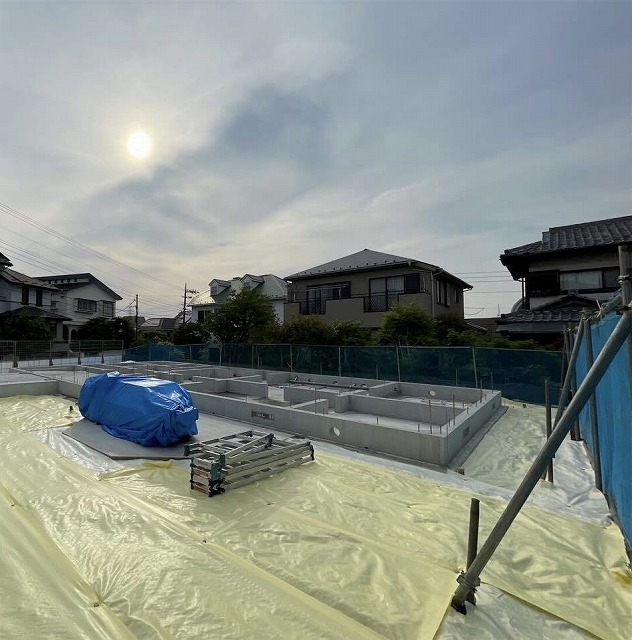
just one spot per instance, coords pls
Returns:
(67, 303)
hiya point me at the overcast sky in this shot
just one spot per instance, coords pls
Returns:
(287, 134)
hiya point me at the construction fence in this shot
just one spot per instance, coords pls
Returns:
(607, 426)
(518, 374)
(39, 353)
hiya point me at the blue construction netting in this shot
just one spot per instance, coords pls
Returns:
(614, 421)
(519, 374)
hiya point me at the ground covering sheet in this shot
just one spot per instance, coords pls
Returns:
(331, 549)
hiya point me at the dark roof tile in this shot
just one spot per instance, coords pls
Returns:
(598, 233)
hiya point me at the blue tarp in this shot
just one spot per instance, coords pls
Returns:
(614, 422)
(149, 411)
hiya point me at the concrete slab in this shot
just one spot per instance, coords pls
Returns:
(93, 436)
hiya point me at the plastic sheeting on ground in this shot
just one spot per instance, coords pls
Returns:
(148, 411)
(333, 549)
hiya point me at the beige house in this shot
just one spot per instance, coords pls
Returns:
(571, 269)
(363, 286)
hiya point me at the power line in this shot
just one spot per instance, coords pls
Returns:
(42, 227)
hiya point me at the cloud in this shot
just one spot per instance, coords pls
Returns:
(289, 134)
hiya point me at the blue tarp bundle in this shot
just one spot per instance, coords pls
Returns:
(149, 411)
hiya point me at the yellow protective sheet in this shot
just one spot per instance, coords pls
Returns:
(332, 549)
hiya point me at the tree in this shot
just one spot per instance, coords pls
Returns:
(351, 333)
(152, 337)
(407, 325)
(24, 327)
(308, 330)
(191, 333)
(107, 329)
(234, 321)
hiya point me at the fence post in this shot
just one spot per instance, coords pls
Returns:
(592, 405)
(399, 373)
(625, 280)
(475, 372)
(15, 354)
(339, 363)
(102, 358)
(79, 353)
(50, 353)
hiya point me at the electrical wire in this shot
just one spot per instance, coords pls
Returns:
(42, 227)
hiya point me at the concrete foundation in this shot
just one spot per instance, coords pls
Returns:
(418, 422)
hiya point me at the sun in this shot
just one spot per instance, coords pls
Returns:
(139, 144)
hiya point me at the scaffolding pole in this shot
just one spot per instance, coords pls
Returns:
(468, 580)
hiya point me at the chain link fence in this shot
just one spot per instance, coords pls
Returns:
(40, 353)
(518, 374)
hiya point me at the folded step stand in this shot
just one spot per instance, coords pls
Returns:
(233, 461)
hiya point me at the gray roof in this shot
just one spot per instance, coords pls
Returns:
(598, 233)
(567, 309)
(368, 260)
(17, 278)
(34, 312)
(269, 285)
(68, 286)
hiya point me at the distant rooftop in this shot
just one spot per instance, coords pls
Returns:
(69, 281)
(598, 233)
(366, 260)
(15, 277)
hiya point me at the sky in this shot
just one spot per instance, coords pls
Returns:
(288, 134)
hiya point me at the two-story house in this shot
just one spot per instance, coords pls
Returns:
(81, 297)
(271, 286)
(365, 285)
(571, 269)
(22, 295)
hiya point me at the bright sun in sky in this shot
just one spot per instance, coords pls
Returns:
(139, 144)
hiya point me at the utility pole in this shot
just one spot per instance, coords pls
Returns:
(136, 337)
(185, 300)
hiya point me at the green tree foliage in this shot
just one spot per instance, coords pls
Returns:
(25, 327)
(351, 333)
(234, 321)
(191, 333)
(407, 325)
(153, 337)
(107, 329)
(308, 330)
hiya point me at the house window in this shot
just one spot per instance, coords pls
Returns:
(456, 294)
(545, 283)
(86, 306)
(39, 297)
(108, 308)
(202, 314)
(442, 292)
(610, 278)
(580, 281)
(53, 305)
(318, 295)
(384, 292)
(593, 280)
(25, 295)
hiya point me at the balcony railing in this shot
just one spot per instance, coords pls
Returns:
(370, 303)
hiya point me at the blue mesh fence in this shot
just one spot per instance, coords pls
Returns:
(518, 374)
(614, 422)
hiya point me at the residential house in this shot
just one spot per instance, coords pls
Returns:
(571, 269)
(275, 288)
(365, 285)
(22, 295)
(81, 297)
(164, 324)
